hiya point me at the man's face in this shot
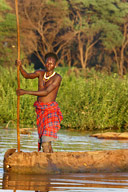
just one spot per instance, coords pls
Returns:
(50, 63)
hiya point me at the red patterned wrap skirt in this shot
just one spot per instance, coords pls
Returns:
(49, 117)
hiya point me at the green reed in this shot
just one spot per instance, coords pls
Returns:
(91, 101)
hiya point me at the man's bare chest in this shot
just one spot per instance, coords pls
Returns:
(44, 83)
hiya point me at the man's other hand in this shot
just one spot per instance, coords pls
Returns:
(18, 63)
(20, 92)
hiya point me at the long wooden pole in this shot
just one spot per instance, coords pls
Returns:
(18, 76)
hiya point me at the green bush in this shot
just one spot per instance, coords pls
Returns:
(97, 101)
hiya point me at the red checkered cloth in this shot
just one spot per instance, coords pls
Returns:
(49, 117)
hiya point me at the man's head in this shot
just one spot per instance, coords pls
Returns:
(52, 55)
(50, 61)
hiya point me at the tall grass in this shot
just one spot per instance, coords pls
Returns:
(8, 98)
(96, 102)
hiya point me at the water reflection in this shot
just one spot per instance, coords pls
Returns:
(64, 182)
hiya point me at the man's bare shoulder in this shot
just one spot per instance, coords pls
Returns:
(58, 77)
(39, 72)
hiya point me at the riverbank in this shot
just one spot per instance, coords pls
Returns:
(92, 102)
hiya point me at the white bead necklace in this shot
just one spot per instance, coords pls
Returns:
(49, 76)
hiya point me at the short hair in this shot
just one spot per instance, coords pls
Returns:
(51, 54)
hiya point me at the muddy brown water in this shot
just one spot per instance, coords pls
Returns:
(67, 141)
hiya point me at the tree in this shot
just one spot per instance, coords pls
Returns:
(115, 30)
(98, 20)
(85, 28)
(7, 35)
(79, 31)
(42, 22)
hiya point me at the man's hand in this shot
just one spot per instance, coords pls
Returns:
(18, 63)
(20, 92)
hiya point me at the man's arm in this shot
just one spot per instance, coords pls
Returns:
(25, 74)
(43, 92)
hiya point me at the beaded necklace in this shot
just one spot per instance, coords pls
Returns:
(47, 78)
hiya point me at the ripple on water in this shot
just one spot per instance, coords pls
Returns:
(67, 182)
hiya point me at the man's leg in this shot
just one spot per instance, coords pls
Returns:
(47, 147)
(50, 147)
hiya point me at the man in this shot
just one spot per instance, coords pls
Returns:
(49, 115)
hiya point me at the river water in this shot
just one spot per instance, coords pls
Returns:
(67, 141)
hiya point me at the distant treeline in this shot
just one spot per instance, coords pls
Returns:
(89, 101)
(83, 33)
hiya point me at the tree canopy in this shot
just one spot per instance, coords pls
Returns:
(7, 34)
(83, 33)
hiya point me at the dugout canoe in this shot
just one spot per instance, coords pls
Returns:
(66, 162)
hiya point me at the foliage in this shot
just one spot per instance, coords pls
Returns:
(8, 97)
(82, 33)
(8, 33)
(4, 6)
(43, 22)
(97, 101)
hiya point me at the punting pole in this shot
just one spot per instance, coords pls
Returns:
(18, 76)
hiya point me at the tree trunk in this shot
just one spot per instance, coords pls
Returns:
(120, 63)
(80, 45)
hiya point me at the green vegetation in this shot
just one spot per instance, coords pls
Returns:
(97, 102)
(88, 34)
(8, 51)
(83, 33)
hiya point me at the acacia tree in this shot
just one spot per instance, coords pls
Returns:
(7, 35)
(115, 30)
(85, 30)
(119, 51)
(58, 26)
(100, 20)
(42, 22)
(75, 29)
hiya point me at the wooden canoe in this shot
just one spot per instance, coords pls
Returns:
(66, 162)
